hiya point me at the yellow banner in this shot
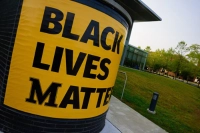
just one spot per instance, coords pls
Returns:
(65, 60)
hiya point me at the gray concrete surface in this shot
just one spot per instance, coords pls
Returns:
(184, 81)
(109, 128)
(128, 120)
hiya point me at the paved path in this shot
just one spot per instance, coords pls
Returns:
(184, 81)
(109, 128)
(128, 120)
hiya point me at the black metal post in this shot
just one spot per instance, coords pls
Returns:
(154, 100)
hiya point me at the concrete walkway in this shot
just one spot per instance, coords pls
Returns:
(128, 120)
(109, 128)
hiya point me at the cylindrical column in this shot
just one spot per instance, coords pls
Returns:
(154, 100)
(58, 63)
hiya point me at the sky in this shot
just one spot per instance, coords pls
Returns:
(180, 22)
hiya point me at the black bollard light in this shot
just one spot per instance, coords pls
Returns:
(154, 100)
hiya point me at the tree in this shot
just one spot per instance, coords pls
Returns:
(139, 47)
(169, 58)
(187, 70)
(148, 49)
(180, 50)
(156, 60)
(194, 54)
(160, 59)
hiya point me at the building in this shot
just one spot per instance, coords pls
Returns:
(134, 57)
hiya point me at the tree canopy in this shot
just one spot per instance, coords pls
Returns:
(183, 60)
(148, 49)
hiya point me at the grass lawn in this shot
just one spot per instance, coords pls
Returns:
(178, 107)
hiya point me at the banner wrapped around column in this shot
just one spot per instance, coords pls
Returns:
(58, 65)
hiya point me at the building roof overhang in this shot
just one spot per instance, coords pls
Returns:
(134, 10)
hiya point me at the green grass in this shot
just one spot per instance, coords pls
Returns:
(178, 107)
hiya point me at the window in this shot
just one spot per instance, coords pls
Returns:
(130, 55)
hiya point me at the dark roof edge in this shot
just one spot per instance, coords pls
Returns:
(151, 11)
(120, 9)
(138, 10)
(133, 10)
